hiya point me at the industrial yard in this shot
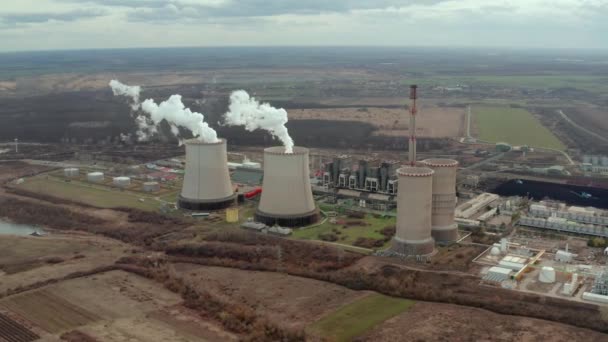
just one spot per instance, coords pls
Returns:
(365, 216)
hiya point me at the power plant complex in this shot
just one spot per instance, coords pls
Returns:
(424, 192)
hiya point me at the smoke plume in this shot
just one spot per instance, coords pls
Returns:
(173, 111)
(247, 111)
(132, 92)
(177, 115)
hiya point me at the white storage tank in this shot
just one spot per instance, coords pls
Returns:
(95, 177)
(414, 203)
(121, 182)
(71, 172)
(547, 275)
(151, 187)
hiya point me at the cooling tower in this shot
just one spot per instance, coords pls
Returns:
(414, 200)
(444, 227)
(286, 193)
(207, 183)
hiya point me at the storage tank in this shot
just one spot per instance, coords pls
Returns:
(286, 193)
(414, 203)
(444, 228)
(207, 184)
(121, 182)
(71, 172)
(95, 177)
(547, 275)
(151, 187)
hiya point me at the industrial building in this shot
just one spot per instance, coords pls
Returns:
(563, 224)
(414, 209)
(470, 208)
(207, 184)
(286, 198)
(121, 182)
(71, 172)
(95, 177)
(368, 175)
(151, 187)
(576, 214)
(444, 228)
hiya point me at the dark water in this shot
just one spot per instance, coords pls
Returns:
(570, 194)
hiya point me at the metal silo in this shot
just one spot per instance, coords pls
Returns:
(444, 228)
(207, 183)
(286, 193)
(414, 201)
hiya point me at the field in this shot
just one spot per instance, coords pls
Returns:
(96, 195)
(514, 126)
(50, 312)
(446, 322)
(289, 300)
(11, 330)
(354, 319)
(593, 84)
(432, 122)
(347, 230)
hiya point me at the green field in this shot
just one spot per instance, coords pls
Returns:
(515, 126)
(350, 234)
(356, 318)
(593, 84)
(99, 196)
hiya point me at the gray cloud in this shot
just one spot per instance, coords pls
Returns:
(15, 19)
(168, 10)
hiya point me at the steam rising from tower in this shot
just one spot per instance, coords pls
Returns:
(173, 111)
(247, 111)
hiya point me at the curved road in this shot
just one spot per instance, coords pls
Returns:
(565, 117)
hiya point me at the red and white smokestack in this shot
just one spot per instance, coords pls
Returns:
(413, 111)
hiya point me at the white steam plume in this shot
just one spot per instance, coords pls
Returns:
(172, 110)
(176, 114)
(247, 111)
(128, 91)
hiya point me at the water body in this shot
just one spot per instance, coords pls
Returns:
(570, 194)
(8, 228)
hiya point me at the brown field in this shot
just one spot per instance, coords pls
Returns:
(11, 330)
(592, 118)
(432, 122)
(289, 300)
(52, 313)
(25, 257)
(446, 322)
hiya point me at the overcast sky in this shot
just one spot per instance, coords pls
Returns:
(83, 24)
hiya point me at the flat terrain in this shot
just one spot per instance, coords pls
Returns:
(96, 195)
(354, 319)
(431, 122)
(289, 300)
(27, 260)
(347, 230)
(446, 322)
(514, 126)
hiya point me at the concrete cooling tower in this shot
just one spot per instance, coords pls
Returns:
(207, 183)
(444, 227)
(286, 193)
(414, 201)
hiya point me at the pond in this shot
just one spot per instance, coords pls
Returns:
(8, 228)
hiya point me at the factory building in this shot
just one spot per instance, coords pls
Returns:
(576, 214)
(444, 228)
(562, 224)
(470, 208)
(286, 198)
(414, 206)
(368, 175)
(207, 183)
